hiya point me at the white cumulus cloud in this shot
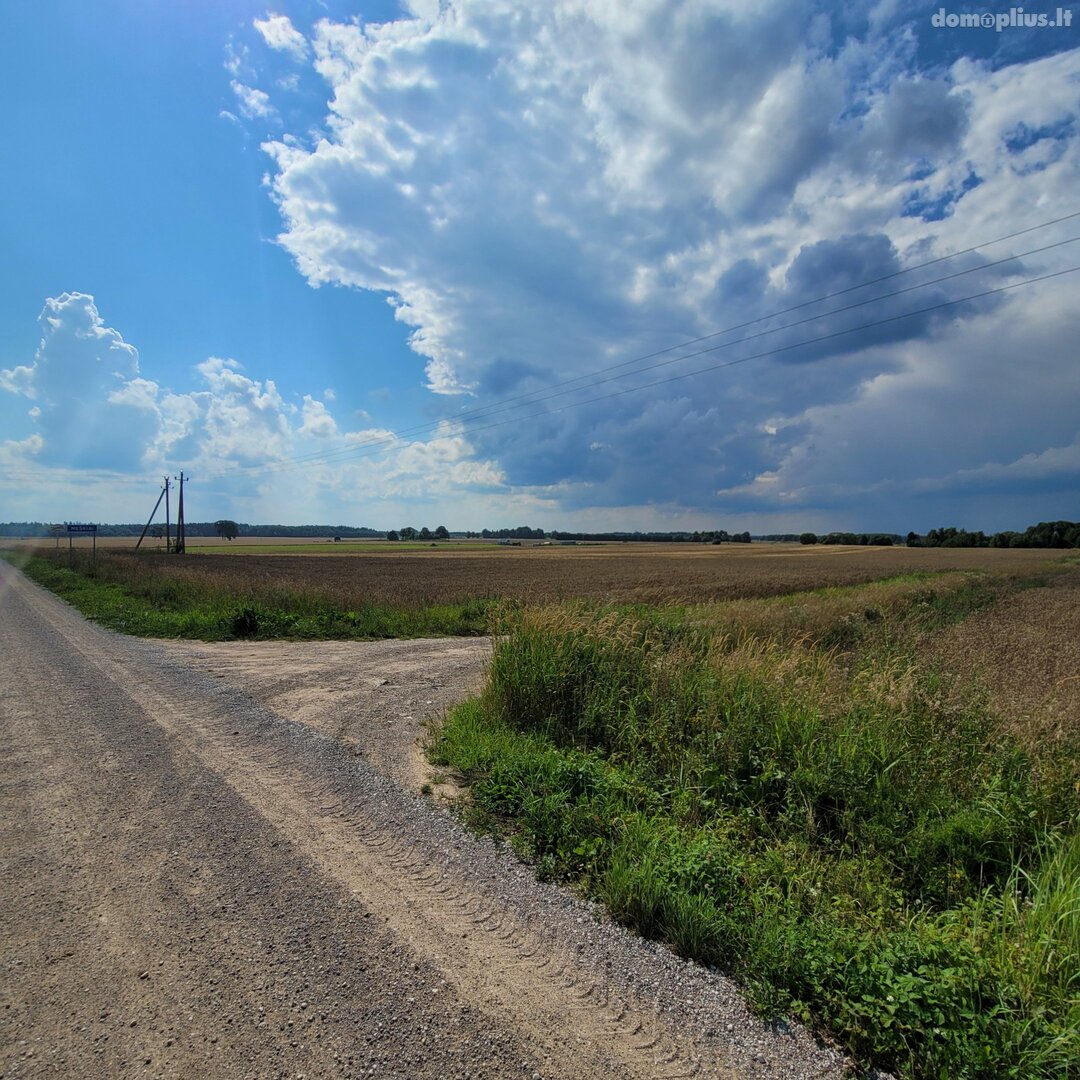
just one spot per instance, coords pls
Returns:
(105, 431)
(541, 190)
(254, 103)
(279, 33)
(80, 363)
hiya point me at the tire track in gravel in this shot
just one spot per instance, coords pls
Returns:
(401, 860)
(152, 924)
(489, 955)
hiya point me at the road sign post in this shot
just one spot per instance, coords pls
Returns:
(56, 531)
(74, 529)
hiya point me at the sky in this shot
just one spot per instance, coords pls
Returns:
(586, 264)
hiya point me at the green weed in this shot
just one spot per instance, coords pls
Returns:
(811, 811)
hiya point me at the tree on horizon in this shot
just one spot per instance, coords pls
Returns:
(227, 529)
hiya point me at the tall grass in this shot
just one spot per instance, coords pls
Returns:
(801, 804)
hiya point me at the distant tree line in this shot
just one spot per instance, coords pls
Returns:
(521, 532)
(409, 533)
(626, 537)
(716, 536)
(858, 539)
(720, 536)
(26, 528)
(322, 531)
(1047, 534)
(41, 528)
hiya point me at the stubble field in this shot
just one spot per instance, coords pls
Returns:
(620, 573)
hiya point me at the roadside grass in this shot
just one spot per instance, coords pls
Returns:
(778, 788)
(137, 595)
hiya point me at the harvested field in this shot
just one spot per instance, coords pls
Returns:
(1025, 651)
(640, 573)
(247, 545)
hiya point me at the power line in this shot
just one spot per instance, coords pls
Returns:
(791, 325)
(370, 450)
(590, 379)
(818, 300)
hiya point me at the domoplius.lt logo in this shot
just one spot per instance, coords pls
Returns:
(1015, 18)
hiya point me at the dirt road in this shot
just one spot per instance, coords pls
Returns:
(374, 697)
(195, 885)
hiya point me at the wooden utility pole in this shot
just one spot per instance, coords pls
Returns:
(180, 538)
(147, 525)
(168, 527)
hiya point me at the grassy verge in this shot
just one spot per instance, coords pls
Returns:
(778, 789)
(135, 597)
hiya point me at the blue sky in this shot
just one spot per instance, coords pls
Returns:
(293, 250)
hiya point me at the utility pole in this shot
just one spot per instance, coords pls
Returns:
(180, 544)
(147, 525)
(168, 527)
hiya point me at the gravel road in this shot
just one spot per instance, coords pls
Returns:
(200, 880)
